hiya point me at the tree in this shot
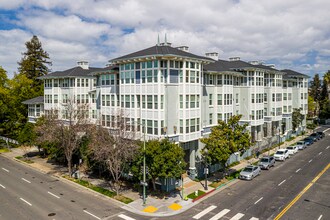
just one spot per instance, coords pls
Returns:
(34, 63)
(27, 136)
(326, 80)
(66, 131)
(115, 148)
(311, 106)
(315, 91)
(297, 118)
(164, 159)
(4, 97)
(226, 139)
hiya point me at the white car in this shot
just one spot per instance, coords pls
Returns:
(281, 154)
(292, 150)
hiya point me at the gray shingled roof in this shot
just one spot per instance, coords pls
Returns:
(112, 69)
(36, 100)
(73, 72)
(292, 74)
(160, 51)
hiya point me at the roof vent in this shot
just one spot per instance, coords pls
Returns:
(213, 55)
(183, 48)
(234, 58)
(83, 64)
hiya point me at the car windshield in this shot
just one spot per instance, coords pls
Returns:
(264, 160)
(247, 169)
(300, 143)
(289, 148)
(279, 152)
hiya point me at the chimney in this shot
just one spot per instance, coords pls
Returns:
(213, 55)
(83, 64)
(234, 58)
(183, 48)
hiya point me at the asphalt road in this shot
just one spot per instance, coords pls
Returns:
(28, 194)
(268, 194)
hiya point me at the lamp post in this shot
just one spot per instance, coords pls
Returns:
(279, 136)
(144, 184)
(206, 170)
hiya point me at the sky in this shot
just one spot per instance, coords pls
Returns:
(291, 34)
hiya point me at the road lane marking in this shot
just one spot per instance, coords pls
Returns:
(2, 186)
(326, 130)
(259, 200)
(310, 161)
(53, 195)
(5, 170)
(320, 217)
(301, 193)
(202, 213)
(320, 153)
(281, 182)
(327, 147)
(220, 214)
(92, 214)
(254, 218)
(26, 180)
(25, 201)
(237, 216)
(125, 217)
(298, 170)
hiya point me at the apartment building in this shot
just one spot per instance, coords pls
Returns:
(168, 92)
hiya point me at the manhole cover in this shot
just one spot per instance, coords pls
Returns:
(51, 214)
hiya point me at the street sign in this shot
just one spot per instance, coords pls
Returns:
(143, 183)
(206, 170)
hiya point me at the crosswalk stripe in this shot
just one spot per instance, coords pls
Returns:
(202, 213)
(220, 214)
(125, 217)
(237, 216)
(253, 218)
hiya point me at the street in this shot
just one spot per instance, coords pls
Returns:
(297, 188)
(29, 194)
(265, 196)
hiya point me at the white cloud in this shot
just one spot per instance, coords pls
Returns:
(279, 30)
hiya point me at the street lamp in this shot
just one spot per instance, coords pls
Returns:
(144, 184)
(279, 136)
(206, 170)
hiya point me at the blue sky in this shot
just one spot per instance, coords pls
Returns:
(294, 34)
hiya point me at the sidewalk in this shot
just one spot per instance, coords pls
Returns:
(171, 205)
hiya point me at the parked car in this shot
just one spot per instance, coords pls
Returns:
(321, 133)
(266, 162)
(292, 150)
(309, 141)
(315, 137)
(301, 145)
(249, 172)
(281, 154)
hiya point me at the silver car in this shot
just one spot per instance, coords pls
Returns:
(249, 172)
(301, 145)
(266, 162)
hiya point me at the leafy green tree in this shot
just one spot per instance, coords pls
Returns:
(297, 118)
(311, 106)
(164, 159)
(226, 139)
(27, 136)
(4, 98)
(34, 63)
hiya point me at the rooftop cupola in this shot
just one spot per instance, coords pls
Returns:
(83, 64)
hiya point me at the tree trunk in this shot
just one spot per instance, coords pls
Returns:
(154, 183)
(70, 167)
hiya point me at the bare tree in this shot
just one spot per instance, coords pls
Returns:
(114, 147)
(67, 130)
